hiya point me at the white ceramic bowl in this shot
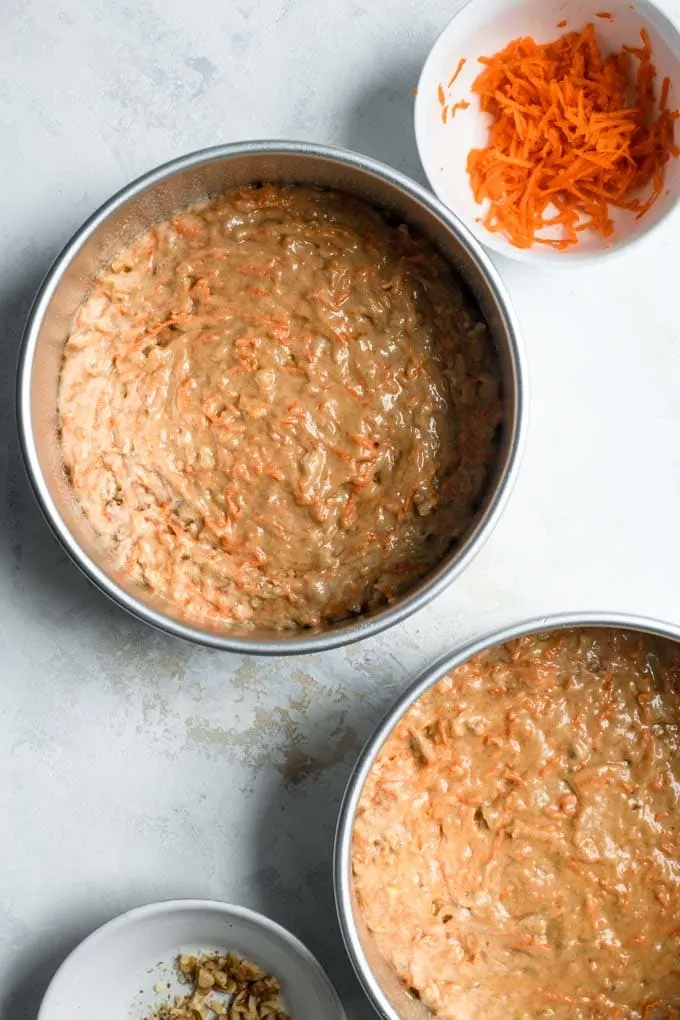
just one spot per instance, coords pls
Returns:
(112, 974)
(482, 28)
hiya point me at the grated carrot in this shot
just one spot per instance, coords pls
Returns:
(606, 15)
(562, 24)
(462, 104)
(461, 64)
(573, 133)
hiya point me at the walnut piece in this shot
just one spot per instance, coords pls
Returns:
(223, 986)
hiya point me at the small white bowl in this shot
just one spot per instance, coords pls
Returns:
(113, 973)
(482, 28)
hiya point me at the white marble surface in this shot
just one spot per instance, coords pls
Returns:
(135, 767)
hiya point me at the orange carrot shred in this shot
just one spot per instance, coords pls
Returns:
(562, 24)
(444, 112)
(606, 15)
(440, 95)
(461, 64)
(573, 134)
(462, 104)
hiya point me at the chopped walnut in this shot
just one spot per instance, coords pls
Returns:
(223, 987)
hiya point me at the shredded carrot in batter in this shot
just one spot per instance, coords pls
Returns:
(573, 134)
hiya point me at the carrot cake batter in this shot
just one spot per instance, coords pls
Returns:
(278, 409)
(517, 845)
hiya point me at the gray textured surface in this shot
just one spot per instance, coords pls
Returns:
(135, 767)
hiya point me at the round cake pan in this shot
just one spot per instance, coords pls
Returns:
(383, 987)
(154, 197)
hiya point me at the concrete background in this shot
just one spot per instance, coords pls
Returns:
(135, 767)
